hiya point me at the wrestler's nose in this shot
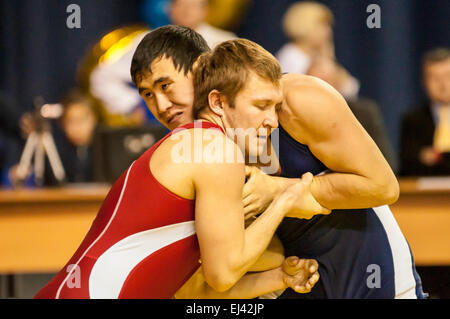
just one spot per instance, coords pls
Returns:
(163, 103)
(271, 119)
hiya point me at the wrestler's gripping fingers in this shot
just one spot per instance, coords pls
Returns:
(313, 265)
(312, 281)
(296, 283)
(292, 265)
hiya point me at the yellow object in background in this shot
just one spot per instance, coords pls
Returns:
(109, 49)
(226, 14)
(442, 133)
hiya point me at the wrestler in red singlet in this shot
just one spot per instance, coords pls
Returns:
(142, 244)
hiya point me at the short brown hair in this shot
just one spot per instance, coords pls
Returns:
(436, 55)
(227, 67)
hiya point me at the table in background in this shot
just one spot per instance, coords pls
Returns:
(41, 229)
(423, 214)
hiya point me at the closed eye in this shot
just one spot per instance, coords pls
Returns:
(262, 107)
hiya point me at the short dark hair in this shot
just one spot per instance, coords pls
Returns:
(183, 45)
(436, 55)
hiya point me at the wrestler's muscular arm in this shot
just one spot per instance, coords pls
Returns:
(298, 274)
(315, 114)
(269, 278)
(321, 119)
(227, 249)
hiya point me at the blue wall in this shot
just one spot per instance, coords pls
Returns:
(39, 54)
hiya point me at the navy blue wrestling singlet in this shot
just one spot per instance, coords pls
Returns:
(362, 253)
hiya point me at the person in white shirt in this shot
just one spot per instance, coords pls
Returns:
(309, 26)
(110, 81)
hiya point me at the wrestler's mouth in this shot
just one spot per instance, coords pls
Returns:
(174, 117)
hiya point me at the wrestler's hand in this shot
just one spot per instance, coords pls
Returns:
(259, 191)
(299, 201)
(300, 274)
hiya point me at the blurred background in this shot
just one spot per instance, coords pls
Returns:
(64, 70)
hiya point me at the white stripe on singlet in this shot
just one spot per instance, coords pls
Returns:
(113, 267)
(405, 283)
(99, 236)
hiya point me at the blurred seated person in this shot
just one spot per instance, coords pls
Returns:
(309, 26)
(225, 14)
(192, 14)
(365, 110)
(425, 132)
(110, 81)
(15, 126)
(12, 122)
(78, 122)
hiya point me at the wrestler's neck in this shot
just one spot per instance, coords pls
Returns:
(212, 118)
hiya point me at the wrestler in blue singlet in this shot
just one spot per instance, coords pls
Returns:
(362, 253)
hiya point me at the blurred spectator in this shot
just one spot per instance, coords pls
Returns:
(425, 132)
(309, 26)
(223, 14)
(73, 140)
(192, 14)
(79, 121)
(14, 127)
(12, 122)
(110, 80)
(365, 110)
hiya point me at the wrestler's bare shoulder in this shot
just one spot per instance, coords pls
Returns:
(189, 154)
(305, 85)
(307, 102)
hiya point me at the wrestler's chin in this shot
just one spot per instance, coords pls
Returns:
(178, 121)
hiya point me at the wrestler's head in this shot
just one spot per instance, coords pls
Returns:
(162, 71)
(237, 85)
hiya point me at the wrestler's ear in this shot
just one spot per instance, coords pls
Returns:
(217, 102)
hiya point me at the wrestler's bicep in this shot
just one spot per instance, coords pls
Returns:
(219, 215)
(332, 132)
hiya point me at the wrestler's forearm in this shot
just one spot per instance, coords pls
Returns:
(341, 191)
(227, 261)
(350, 191)
(272, 257)
(249, 286)
(259, 235)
